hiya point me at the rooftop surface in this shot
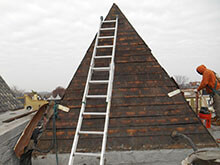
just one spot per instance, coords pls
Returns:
(7, 127)
(9, 134)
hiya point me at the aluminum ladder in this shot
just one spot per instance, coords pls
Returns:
(89, 81)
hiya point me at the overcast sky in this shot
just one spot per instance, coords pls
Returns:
(42, 42)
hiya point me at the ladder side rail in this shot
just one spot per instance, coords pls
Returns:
(91, 65)
(112, 64)
(102, 158)
(79, 124)
(111, 76)
(76, 137)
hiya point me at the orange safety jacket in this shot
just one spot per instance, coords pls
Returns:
(209, 80)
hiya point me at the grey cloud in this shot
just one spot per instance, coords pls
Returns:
(49, 38)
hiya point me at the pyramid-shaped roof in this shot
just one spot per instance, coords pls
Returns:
(142, 115)
(7, 99)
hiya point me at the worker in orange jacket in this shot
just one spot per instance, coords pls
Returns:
(212, 86)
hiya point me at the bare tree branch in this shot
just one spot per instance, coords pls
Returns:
(58, 91)
(17, 92)
(181, 80)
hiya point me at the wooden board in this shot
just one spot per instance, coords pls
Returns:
(24, 139)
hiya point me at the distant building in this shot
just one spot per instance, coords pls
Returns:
(55, 99)
(194, 84)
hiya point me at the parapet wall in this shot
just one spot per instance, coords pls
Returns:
(152, 157)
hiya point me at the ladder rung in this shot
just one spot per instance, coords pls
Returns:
(107, 29)
(103, 56)
(96, 96)
(105, 46)
(103, 37)
(92, 132)
(99, 81)
(101, 69)
(108, 21)
(95, 113)
(86, 154)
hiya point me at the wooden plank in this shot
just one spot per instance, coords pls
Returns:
(133, 53)
(24, 139)
(128, 121)
(122, 92)
(128, 83)
(77, 104)
(133, 131)
(124, 77)
(18, 116)
(135, 111)
(146, 100)
(135, 59)
(133, 143)
(139, 67)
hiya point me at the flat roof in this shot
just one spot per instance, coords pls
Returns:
(7, 127)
